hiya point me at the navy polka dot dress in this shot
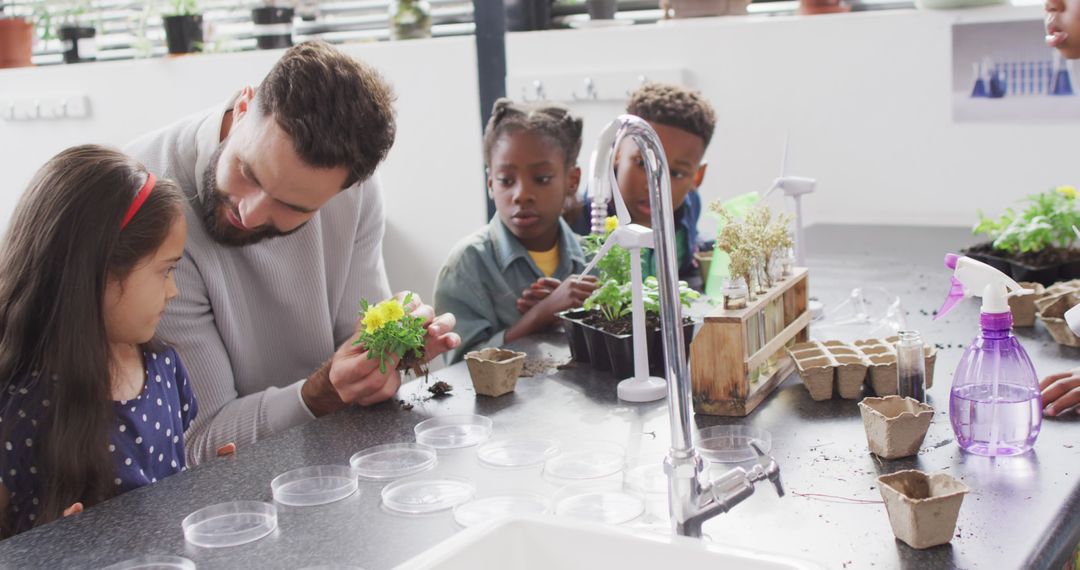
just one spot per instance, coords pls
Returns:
(146, 445)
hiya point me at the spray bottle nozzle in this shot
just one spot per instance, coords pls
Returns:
(973, 278)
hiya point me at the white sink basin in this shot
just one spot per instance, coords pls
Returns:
(548, 542)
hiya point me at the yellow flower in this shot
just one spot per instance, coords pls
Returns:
(374, 319)
(1067, 191)
(610, 224)
(392, 310)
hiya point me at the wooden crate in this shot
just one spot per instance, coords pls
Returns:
(732, 368)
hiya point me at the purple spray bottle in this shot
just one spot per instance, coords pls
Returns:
(994, 407)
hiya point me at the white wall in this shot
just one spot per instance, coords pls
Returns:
(866, 97)
(432, 178)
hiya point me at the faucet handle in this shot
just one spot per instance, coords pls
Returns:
(766, 468)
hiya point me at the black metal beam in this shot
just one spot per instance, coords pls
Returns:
(490, 17)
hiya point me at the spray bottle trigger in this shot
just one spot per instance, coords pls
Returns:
(956, 294)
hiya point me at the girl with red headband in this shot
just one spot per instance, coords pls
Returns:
(91, 403)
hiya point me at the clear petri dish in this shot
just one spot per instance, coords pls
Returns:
(230, 524)
(517, 451)
(647, 478)
(587, 460)
(500, 506)
(393, 460)
(731, 443)
(452, 432)
(317, 485)
(605, 502)
(421, 496)
(153, 562)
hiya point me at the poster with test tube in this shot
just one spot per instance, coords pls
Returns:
(1004, 72)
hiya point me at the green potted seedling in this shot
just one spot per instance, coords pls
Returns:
(1035, 244)
(183, 27)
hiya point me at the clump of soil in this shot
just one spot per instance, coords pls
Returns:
(405, 405)
(440, 389)
(1041, 258)
(414, 361)
(540, 366)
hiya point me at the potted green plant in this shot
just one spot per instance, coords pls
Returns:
(410, 19)
(1035, 244)
(610, 323)
(273, 26)
(600, 333)
(16, 38)
(77, 34)
(183, 27)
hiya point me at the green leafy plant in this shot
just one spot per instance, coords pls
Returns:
(615, 300)
(616, 263)
(184, 7)
(1046, 222)
(388, 331)
(612, 300)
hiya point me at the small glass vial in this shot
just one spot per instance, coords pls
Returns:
(410, 19)
(911, 366)
(735, 294)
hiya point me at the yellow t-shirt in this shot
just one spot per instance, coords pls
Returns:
(546, 261)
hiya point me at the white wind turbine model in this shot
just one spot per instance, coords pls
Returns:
(795, 187)
(641, 387)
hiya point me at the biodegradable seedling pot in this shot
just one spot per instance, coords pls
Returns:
(922, 508)
(895, 426)
(883, 379)
(817, 375)
(1023, 307)
(850, 375)
(494, 371)
(1052, 313)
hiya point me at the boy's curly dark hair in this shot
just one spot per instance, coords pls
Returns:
(674, 106)
(554, 122)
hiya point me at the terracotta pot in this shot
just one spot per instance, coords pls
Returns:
(494, 371)
(895, 426)
(16, 42)
(922, 508)
(810, 7)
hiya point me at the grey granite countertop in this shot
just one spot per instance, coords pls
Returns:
(1022, 512)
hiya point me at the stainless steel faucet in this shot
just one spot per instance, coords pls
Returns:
(692, 501)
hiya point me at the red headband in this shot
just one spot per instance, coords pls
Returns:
(137, 203)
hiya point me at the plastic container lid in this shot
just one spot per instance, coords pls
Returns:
(452, 432)
(587, 460)
(731, 443)
(605, 502)
(316, 485)
(499, 506)
(230, 524)
(517, 451)
(419, 496)
(153, 562)
(393, 460)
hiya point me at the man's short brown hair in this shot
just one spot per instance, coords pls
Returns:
(338, 111)
(674, 106)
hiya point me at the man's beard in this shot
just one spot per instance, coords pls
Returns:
(212, 206)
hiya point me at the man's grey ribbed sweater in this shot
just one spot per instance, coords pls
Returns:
(251, 323)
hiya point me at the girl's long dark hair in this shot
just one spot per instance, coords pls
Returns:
(62, 246)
